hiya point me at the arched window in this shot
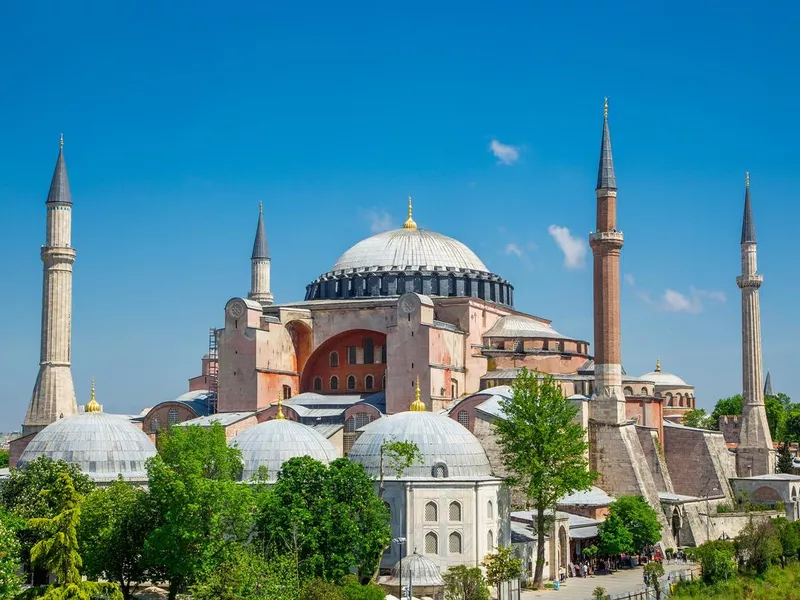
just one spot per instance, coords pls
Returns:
(334, 359)
(287, 392)
(172, 415)
(628, 390)
(455, 512)
(453, 389)
(489, 510)
(679, 398)
(418, 283)
(351, 382)
(369, 351)
(439, 470)
(383, 387)
(454, 543)
(334, 383)
(431, 512)
(489, 540)
(463, 418)
(644, 391)
(669, 399)
(431, 543)
(351, 355)
(317, 384)
(155, 424)
(369, 382)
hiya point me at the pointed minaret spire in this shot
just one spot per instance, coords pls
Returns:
(605, 170)
(260, 264)
(59, 185)
(768, 391)
(748, 227)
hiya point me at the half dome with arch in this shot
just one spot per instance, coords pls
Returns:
(272, 443)
(410, 260)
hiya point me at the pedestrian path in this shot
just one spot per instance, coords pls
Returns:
(620, 582)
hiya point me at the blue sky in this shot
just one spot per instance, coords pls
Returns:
(178, 120)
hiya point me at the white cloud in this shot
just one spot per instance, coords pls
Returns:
(380, 221)
(630, 280)
(515, 250)
(504, 153)
(673, 301)
(574, 248)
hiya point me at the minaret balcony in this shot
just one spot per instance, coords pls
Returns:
(749, 281)
(606, 238)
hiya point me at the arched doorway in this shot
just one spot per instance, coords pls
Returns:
(563, 548)
(676, 526)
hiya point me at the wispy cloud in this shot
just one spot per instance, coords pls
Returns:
(671, 300)
(629, 279)
(574, 248)
(504, 153)
(379, 221)
(515, 250)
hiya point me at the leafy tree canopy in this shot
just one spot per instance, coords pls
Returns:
(614, 536)
(639, 518)
(465, 583)
(760, 545)
(785, 459)
(697, 417)
(542, 447)
(9, 556)
(726, 406)
(501, 566)
(3, 459)
(778, 409)
(716, 558)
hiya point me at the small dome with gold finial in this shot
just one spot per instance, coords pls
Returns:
(417, 405)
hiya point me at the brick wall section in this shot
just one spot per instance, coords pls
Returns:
(656, 460)
(698, 461)
(730, 426)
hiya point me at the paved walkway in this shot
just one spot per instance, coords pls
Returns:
(620, 582)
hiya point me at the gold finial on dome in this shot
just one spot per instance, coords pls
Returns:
(92, 406)
(658, 364)
(410, 223)
(280, 406)
(605, 107)
(747, 179)
(260, 207)
(61, 141)
(417, 405)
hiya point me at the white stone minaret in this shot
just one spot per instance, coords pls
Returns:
(54, 393)
(260, 265)
(755, 453)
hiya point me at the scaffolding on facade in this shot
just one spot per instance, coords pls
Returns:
(213, 369)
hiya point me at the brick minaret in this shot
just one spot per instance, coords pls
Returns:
(608, 403)
(260, 265)
(755, 453)
(54, 393)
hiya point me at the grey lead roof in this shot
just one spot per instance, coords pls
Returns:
(605, 170)
(768, 385)
(59, 186)
(260, 247)
(748, 228)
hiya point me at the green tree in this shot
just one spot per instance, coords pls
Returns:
(759, 545)
(501, 566)
(726, 406)
(397, 456)
(115, 524)
(353, 590)
(543, 448)
(614, 536)
(653, 572)
(3, 459)
(716, 559)
(201, 507)
(697, 417)
(329, 517)
(793, 425)
(58, 550)
(21, 495)
(639, 518)
(465, 583)
(777, 415)
(787, 533)
(599, 593)
(319, 589)
(9, 556)
(785, 459)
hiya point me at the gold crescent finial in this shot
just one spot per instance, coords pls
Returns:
(605, 107)
(260, 207)
(92, 405)
(409, 224)
(61, 141)
(658, 365)
(747, 179)
(418, 405)
(279, 415)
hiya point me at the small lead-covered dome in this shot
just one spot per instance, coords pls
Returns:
(272, 443)
(448, 449)
(103, 446)
(662, 378)
(420, 570)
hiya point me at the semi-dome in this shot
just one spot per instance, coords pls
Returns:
(103, 446)
(662, 378)
(272, 443)
(405, 248)
(518, 326)
(448, 449)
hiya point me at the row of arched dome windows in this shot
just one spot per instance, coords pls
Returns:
(454, 511)
(454, 542)
(628, 391)
(333, 383)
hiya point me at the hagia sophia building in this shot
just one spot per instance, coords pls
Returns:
(410, 336)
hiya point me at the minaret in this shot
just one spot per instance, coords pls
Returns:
(260, 264)
(754, 455)
(608, 403)
(768, 385)
(54, 393)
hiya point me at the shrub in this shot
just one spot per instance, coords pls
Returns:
(716, 558)
(319, 589)
(599, 593)
(759, 545)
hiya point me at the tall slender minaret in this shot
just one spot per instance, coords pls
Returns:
(54, 393)
(608, 403)
(754, 455)
(260, 264)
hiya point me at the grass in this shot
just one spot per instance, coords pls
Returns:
(776, 584)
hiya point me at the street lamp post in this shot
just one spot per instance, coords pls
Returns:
(400, 541)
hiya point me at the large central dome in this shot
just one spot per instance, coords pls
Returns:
(409, 248)
(405, 260)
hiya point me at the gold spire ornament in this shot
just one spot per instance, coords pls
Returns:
(92, 406)
(61, 141)
(410, 223)
(658, 365)
(280, 406)
(260, 207)
(747, 179)
(417, 405)
(605, 107)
